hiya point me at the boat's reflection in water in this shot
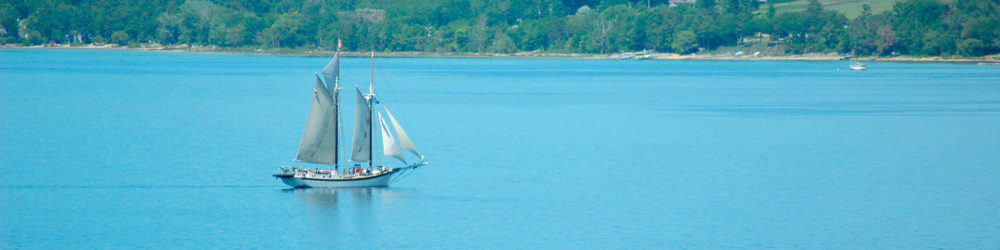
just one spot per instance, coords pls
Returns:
(347, 208)
(329, 197)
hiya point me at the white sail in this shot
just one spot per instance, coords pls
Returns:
(361, 150)
(404, 140)
(389, 146)
(332, 69)
(319, 141)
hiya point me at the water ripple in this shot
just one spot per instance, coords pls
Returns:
(132, 186)
(837, 109)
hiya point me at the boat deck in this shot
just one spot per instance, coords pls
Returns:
(332, 175)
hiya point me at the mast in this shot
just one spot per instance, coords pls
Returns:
(371, 85)
(364, 133)
(371, 115)
(336, 99)
(340, 143)
(331, 74)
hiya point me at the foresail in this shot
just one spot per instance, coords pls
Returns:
(389, 146)
(319, 141)
(404, 140)
(361, 149)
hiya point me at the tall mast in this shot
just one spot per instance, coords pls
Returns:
(336, 100)
(371, 115)
(371, 85)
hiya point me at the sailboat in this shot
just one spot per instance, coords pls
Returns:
(321, 139)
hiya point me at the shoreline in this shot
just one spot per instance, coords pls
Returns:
(707, 56)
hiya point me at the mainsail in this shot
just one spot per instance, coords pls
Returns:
(319, 142)
(404, 141)
(361, 150)
(389, 146)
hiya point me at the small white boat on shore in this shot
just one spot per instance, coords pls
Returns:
(637, 56)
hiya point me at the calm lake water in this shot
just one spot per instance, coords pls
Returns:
(124, 149)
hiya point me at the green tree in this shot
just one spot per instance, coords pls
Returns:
(282, 32)
(502, 44)
(971, 47)
(236, 35)
(770, 9)
(8, 20)
(705, 4)
(917, 22)
(886, 41)
(815, 8)
(120, 37)
(35, 37)
(684, 41)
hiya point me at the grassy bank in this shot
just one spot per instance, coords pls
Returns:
(850, 8)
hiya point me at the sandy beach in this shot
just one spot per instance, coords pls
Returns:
(708, 55)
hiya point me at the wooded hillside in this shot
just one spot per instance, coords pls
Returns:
(912, 27)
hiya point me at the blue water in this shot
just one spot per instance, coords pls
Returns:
(124, 149)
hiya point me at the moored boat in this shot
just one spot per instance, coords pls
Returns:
(858, 66)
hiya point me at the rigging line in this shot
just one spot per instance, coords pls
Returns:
(393, 178)
(386, 81)
(400, 111)
(383, 82)
(404, 173)
(408, 174)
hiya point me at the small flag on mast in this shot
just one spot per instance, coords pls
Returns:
(339, 44)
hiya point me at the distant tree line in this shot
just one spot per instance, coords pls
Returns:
(912, 27)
